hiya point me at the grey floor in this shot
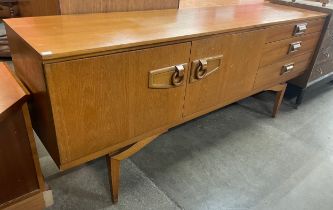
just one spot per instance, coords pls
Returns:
(235, 158)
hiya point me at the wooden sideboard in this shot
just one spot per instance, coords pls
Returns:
(61, 7)
(108, 84)
(21, 181)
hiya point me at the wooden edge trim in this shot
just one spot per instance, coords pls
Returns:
(33, 147)
(35, 202)
(110, 149)
(134, 148)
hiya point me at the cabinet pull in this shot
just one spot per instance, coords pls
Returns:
(300, 29)
(169, 77)
(294, 47)
(204, 67)
(201, 71)
(178, 75)
(287, 68)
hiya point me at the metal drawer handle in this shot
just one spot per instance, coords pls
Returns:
(201, 71)
(287, 68)
(294, 47)
(178, 75)
(300, 29)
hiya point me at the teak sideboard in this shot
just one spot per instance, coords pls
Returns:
(108, 84)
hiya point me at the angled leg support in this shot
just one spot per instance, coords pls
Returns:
(280, 90)
(113, 162)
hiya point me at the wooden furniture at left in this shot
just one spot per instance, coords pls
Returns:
(8, 9)
(107, 84)
(29, 8)
(21, 182)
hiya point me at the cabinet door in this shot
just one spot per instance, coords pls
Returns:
(207, 58)
(241, 63)
(102, 101)
(223, 68)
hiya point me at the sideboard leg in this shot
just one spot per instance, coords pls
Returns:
(280, 90)
(113, 162)
(299, 98)
(114, 174)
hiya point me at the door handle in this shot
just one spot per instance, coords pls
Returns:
(201, 70)
(204, 67)
(168, 77)
(178, 75)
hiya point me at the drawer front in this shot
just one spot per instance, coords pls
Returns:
(102, 101)
(282, 71)
(276, 33)
(277, 51)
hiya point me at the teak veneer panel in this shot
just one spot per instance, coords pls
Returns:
(276, 51)
(272, 73)
(237, 70)
(93, 6)
(30, 70)
(287, 30)
(109, 95)
(29, 8)
(10, 91)
(97, 33)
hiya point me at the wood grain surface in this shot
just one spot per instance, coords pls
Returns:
(94, 6)
(10, 91)
(110, 97)
(75, 35)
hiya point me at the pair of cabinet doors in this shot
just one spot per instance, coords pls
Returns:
(101, 101)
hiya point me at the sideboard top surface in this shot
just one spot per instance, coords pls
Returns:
(56, 37)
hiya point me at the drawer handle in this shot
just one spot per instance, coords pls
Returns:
(287, 68)
(300, 29)
(294, 47)
(201, 71)
(178, 76)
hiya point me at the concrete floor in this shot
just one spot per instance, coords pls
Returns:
(235, 158)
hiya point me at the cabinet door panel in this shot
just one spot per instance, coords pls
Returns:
(241, 64)
(240, 56)
(204, 93)
(102, 101)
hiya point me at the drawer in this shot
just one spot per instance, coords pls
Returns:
(276, 33)
(277, 73)
(277, 51)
